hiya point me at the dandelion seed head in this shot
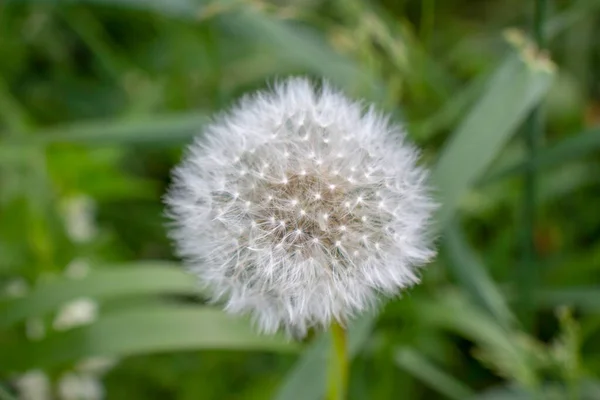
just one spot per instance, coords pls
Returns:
(316, 244)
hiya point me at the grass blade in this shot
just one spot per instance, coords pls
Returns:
(451, 111)
(511, 354)
(143, 331)
(586, 298)
(474, 278)
(527, 274)
(187, 9)
(418, 366)
(572, 148)
(515, 89)
(305, 49)
(137, 279)
(165, 129)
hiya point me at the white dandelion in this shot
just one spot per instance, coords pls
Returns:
(301, 207)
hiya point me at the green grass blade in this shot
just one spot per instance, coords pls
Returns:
(515, 89)
(307, 50)
(508, 392)
(527, 271)
(188, 9)
(561, 22)
(451, 111)
(474, 278)
(142, 278)
(142, 331)
(451, 311)
(572, 148)
(163, 129)
(12, 114)
(415, 364)
(585, 389)
(586, 298)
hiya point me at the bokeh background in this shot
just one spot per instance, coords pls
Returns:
(99, 97)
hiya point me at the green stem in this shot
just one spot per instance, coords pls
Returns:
(539, 18)
(338, 364)
(427, 21)
(534, 132)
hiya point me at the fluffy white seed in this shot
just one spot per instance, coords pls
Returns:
(337, 216)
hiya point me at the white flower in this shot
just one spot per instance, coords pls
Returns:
(79, 214)
(301, 206)
(76, 313)
(80, 387)
(33, 385)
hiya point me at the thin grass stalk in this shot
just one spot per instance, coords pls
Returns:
(534, 129)
(427, 21)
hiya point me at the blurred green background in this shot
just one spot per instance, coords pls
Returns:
(98, 98)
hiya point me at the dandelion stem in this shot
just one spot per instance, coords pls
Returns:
(527, 278)
(338, 364)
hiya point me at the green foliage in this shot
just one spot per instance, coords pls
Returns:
(145, 330)
(513, 90)
(415, 364)
(136, 279)
(98, 97)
